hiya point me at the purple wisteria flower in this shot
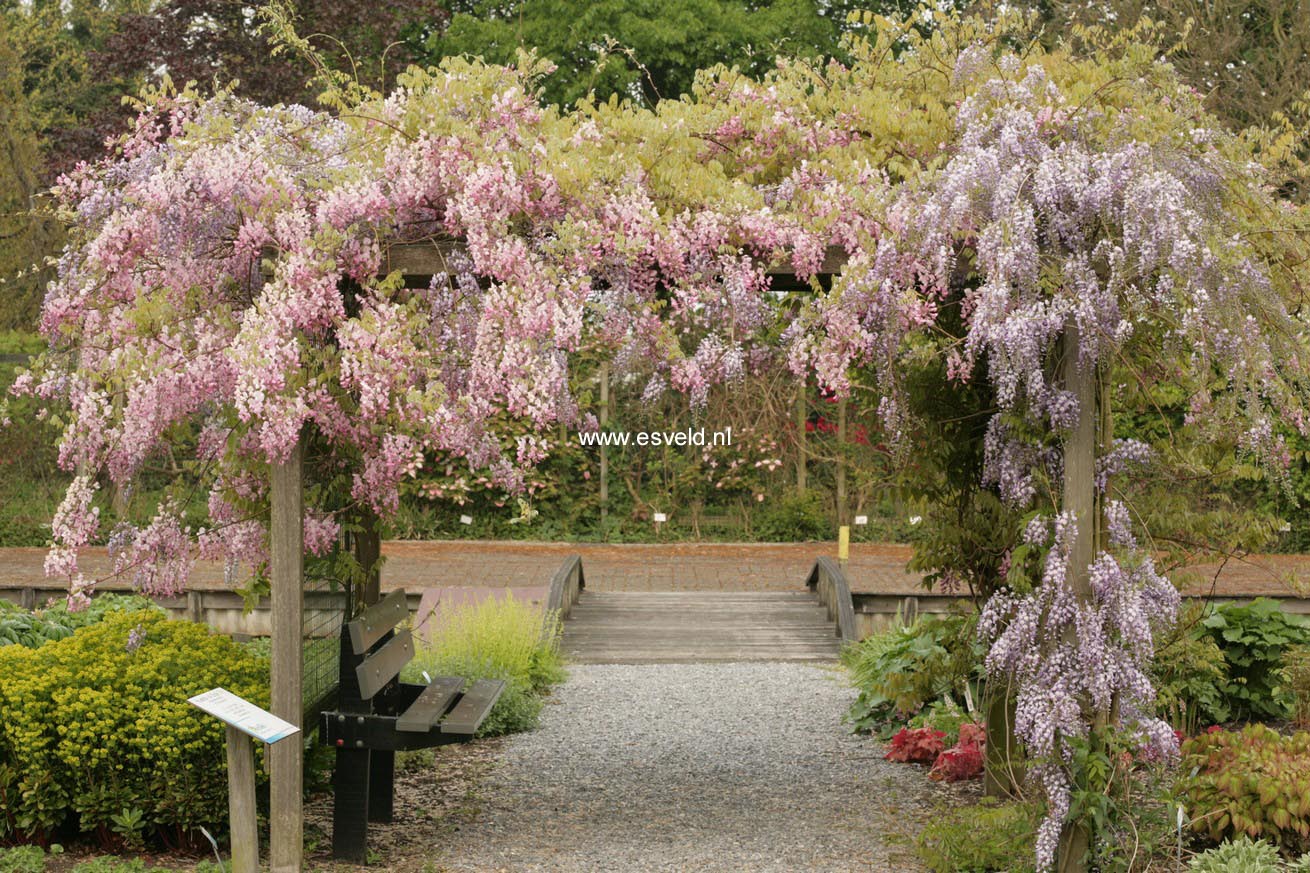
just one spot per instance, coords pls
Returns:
(135, 638)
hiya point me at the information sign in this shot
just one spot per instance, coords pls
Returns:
(244, 715)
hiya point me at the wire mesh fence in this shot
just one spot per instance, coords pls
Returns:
(327, 605)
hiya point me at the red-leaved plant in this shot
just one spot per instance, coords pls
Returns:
(964, 760)
(919, 745)
(958, 763)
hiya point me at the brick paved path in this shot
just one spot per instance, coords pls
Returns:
(673, 567)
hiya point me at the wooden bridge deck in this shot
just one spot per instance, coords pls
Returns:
(649, 627)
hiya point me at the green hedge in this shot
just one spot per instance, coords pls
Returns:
(96, 734)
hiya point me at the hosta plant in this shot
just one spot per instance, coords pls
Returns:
(1240, 855)
(1253, 638)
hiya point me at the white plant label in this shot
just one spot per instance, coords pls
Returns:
(244, 715)
(660, 517)
(861, 520)
(466, 519)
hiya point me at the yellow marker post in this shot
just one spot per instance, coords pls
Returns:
(843, 544)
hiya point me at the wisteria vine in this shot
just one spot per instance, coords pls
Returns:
(1057, 216)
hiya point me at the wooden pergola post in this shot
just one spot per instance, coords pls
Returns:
(841, 463)
(286, 567)
(1079, 497)
(802, 414)
(604, 449)
(368, 552)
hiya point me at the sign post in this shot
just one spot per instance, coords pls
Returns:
(244, 721)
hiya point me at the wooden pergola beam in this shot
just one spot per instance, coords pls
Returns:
(419, 260)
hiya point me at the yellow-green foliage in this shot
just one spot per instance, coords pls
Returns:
(497, 638)
(91, 727)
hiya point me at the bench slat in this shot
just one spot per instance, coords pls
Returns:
(428, 708)
(382, 666)
(473, 707)
(374, 622)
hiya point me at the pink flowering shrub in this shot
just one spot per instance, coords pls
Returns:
(228, 268)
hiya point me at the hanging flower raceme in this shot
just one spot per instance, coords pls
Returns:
(1074, 661)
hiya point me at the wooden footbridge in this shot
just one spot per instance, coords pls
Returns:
(669, 627)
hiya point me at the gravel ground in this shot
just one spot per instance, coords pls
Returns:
(741, 767)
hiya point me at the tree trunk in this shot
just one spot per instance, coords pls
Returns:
(800, 437)
(1003, 762)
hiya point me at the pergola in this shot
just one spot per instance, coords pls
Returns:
(417, 262)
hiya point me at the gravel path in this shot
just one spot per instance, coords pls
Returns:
(741, 767)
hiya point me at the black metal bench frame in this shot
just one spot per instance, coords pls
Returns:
(377, 715)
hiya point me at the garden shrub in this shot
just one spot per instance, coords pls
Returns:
(905, 667)
(963, 760)
(1253, 639)
(499, 638)
(1242, 855)
(96, 733)
(793, 517)
(23, 859)
(982, 837)
(1254, 782)
(1296, 670)
(31, 628)
(517, 709)
(1190, 675)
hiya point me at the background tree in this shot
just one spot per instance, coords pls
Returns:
(220, 42)
(66, 68)
(644, 50)
(1249, 58)
(54, 110)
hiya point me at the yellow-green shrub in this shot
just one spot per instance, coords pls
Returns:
(499, 638)
(94, 728)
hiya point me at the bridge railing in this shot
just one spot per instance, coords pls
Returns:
(828, 581)
(565, 588)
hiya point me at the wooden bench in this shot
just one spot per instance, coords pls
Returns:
(377, 715)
